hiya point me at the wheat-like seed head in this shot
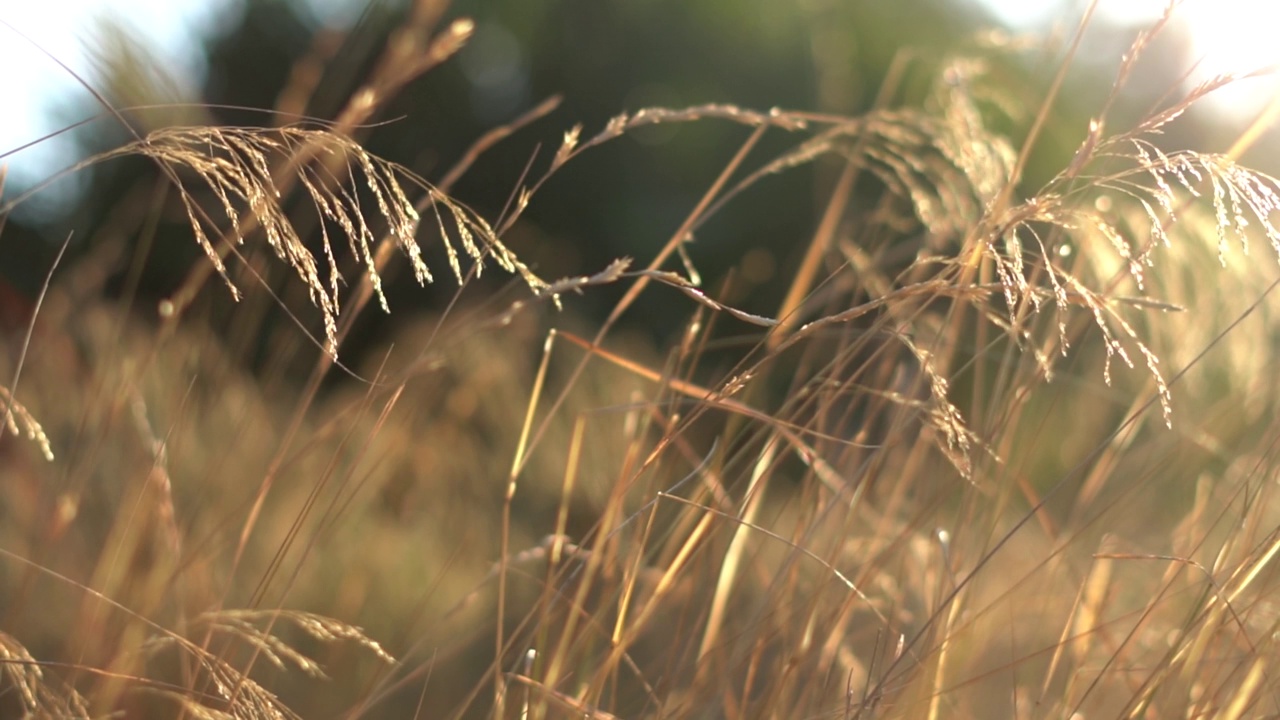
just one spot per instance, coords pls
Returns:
(1095, 220)
(22, 676)
(244, 697)
(19, 421)
(244, 169)
(243, 624)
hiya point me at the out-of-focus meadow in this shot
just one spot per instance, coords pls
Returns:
(669, 359)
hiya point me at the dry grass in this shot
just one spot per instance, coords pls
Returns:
(921, 492)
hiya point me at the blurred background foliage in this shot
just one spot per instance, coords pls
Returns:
(602, 58)
(272, 62)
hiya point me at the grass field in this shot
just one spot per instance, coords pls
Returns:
(1000, 452)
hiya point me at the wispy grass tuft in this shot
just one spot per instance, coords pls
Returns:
(23, 679)
(241, 168)
(19, 421)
